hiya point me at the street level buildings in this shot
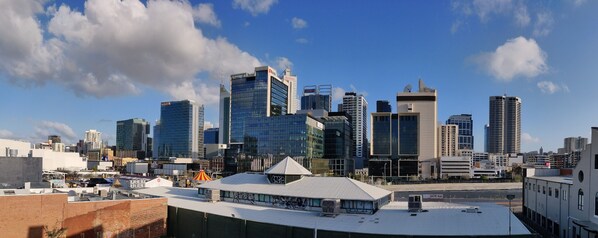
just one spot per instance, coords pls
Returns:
(564, 203)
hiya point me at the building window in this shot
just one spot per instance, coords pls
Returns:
(543, 189)
(596, 205)
(580, 199)
(580, 176)
(549, 191)
(556, 193)
(565, 195)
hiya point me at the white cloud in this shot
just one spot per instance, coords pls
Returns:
(283, 63)
(115, 48)
(6, 134)
(521, 16)
(455, 26)
(485, 8)
(298, 23)
(204, 13)
(255, 7)
(246, 24)
(302, 41)
(550, 87)
(517, 57)
(337, 94)
(529, 139)
(543, 25)
(45, 128)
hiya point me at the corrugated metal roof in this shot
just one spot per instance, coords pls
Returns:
(288, 166)
(307, 187)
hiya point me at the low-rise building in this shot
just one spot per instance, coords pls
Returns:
(455, 167)
(565, 203)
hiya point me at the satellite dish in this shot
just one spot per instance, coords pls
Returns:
(407, 88)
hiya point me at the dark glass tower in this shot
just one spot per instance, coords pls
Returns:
(181, 130)
(261, 94)
(465, 123)
(317, 97)
(131, 135)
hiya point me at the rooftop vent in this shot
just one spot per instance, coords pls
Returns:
(415, 203)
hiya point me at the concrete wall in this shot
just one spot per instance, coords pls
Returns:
(28, 214)
(22, 148)
(53, 160)
(15, 171)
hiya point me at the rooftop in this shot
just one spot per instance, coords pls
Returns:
(556, 179)
(307, 187)
(441, 219)
(288, 166)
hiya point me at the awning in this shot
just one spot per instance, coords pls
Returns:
(587, 225)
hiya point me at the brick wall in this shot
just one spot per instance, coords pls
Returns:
(25, 216)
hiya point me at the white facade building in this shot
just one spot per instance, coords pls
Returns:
(356, 106)
(93, 140)
(291, 80)
(14, 148)
(565, 205)
(66, 161)
(455, 167)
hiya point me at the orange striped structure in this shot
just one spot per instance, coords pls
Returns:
(202, 176)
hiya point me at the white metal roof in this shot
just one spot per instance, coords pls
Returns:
(556, 179)
(307, 187)
(442, 219)
(288, 166)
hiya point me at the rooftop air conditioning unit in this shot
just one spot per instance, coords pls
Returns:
(213, 195)
(415, 203)
(331, 207)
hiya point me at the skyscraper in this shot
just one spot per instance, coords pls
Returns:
(224, 118)
(181, 130)
(447, 140)
(504, 131)
(465, 123)
(317, 97)
(356, 106)
(418, 140)
(131, 135)
(156, 140)
(210, 136)
(291, 80)
(259, 94)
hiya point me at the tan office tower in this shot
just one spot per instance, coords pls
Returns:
(504, 131)
(418, 147)
(448, 144)
(291, 80)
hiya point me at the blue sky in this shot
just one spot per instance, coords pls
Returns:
(70, 66)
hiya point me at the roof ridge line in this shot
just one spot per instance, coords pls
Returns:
(360, 188)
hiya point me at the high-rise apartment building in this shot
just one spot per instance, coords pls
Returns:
(92, 140)
(417, 131)
(504, 131)
(317, 97)
(256, 95)
(447, 140)
(181, 130)
(291, 80)
(465, 123)
(224, 117)
(356, 106)
(575, 144)
(131, 135)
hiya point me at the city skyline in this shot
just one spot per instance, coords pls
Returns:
(454, 46)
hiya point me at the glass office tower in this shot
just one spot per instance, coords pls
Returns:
(317, 97)
(181, 130)
(256, 95)
(131, 135)
(297, 135)
(465, 123)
